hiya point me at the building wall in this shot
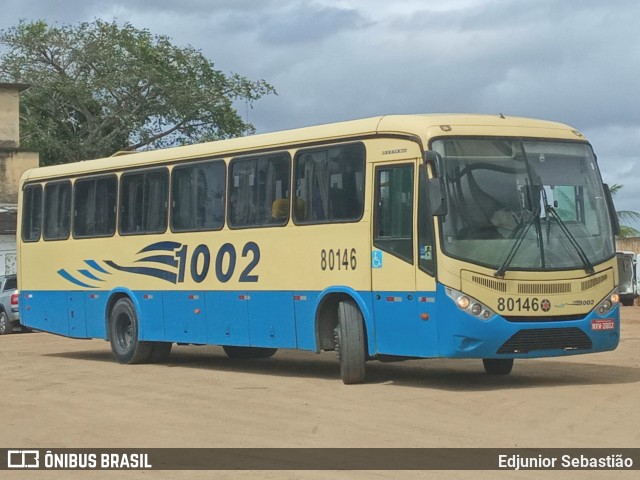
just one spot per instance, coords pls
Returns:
(13, 164)
(8, 262)
(9, 118)
(631, 244)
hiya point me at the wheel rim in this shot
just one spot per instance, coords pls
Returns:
(124, 332)
(4, 324)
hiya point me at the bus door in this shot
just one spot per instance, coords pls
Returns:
(399, 306)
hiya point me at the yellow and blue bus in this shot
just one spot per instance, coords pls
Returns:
(395, 237)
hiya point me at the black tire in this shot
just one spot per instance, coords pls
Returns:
(233, 351)
(123, 333)
(160, 352)
(498, 366)
(626, 302)
(350, 343)
(6, 327)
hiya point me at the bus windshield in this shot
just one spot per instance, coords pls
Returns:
(524, 204)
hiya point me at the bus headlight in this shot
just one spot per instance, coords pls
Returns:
(608, 303)
(470, 304)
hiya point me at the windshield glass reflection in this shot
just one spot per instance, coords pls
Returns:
(546, 196)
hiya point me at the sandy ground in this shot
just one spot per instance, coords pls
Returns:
(64, 393)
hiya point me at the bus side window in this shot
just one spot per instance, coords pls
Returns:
(259, 191)
(94, 201)
(57, 210)
(144, 202)
(198, 196)
(32, 213)
(329, 184)
(393, 222)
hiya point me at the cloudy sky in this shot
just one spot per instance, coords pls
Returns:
(574, 61)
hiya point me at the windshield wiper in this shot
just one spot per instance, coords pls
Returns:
(588, 267)
(528, 218)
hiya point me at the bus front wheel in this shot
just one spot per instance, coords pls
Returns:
(498, 366)
(123, 333)
(350, 343)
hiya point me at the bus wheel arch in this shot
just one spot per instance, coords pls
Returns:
(341, 326)
(326, 319)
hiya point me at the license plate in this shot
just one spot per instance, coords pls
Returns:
(604, 324)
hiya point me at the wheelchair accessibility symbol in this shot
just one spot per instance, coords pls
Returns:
(376, 259)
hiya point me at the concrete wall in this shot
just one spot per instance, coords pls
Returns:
(631, 244)
(13, 164)
(13, 161)
(9, 118)
(8, 263)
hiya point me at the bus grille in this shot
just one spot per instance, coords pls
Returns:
(547, 339)
(490, 283)
(553, 318)
(589, 284)
(543, 288)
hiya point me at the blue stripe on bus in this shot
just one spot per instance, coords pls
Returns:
(150, 272)
(90, 275)
(286, 319)
(170, 260)
(93, 264)
(67, 276)
(166, 246)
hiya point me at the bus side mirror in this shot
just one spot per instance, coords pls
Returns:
(435, 186)
(437, 199)
(615, 224)
(435, 161)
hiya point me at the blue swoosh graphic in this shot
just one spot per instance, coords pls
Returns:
(90, 275)
(164, 259)
(166, 246)
(67, 276)
(151, 272)
(93, 264)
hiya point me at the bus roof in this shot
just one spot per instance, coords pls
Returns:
(424, 127)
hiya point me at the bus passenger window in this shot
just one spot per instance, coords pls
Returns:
(57, 210)
(198, 196)
(32, 213)
(259, 191)
(95, 207)
(393, 216)
(143, 202)
(329, 184)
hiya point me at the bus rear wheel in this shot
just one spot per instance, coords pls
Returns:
(350, 343)
(123, 333)
(248, 352)
(498, 366)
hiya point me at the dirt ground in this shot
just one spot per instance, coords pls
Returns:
(64, 393)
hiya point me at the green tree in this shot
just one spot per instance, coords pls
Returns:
(100, 87)
(625, 216)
